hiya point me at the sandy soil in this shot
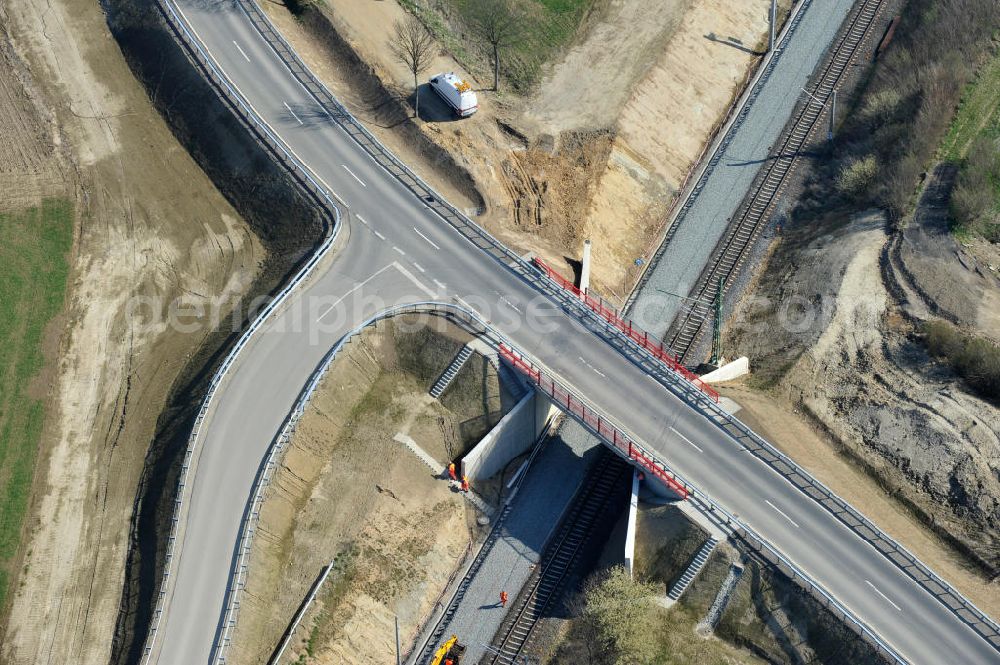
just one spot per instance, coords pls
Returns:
(149, 223)
(793, 434)
(572, 161)
(348, 492)
(923, 451)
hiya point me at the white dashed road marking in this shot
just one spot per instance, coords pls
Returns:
(240, 50)
(687, 440)
(380, 236)
(292, 112)
(429, 241)
(441, 285)
(417, 266)
(782, 513)
(397, 249)
(362, 220)
(355, 175)
(898, 608)
(596, 371)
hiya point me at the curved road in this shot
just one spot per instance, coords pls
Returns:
(396, 250)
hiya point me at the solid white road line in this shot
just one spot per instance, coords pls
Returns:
(380, 236)
(687, 440)
(362, 220)
(782, 513)
(898, 608)
(292, 112)
(397, 249)
(431, 242)
(240, 50)
(417, 266)
(355, 175)
(356, 287)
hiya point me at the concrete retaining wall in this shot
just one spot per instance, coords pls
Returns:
(510, 437)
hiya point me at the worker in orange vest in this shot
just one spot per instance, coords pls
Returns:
(449, 661)
(503, 599)
(465, 483)
(451, 471)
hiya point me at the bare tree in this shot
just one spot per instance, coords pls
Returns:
(413, 46)
(499, 23)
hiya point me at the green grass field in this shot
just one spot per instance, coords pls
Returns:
(978, 114)
(971, 142)
(34, 254)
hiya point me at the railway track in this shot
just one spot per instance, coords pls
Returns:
(558, 562)
(734, 247)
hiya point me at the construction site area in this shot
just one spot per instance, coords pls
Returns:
(252, 413)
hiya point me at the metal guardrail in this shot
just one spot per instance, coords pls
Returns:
(272, 143)
(964, 608)
(474, 324)
(470, 321)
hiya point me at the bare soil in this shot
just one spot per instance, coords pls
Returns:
(829, 340)
(787, 427)
(74, 122)
(596, 151)
(348, 493)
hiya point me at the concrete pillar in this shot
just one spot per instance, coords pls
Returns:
(585, 267)
(633, 509)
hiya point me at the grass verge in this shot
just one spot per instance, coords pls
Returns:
(34, 265)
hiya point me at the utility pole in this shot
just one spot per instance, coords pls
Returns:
(717, 327)
(773, 21)
(398, 656)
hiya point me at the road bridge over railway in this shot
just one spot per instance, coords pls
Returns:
(398, 245)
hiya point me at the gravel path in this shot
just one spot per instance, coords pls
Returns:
(705, 221)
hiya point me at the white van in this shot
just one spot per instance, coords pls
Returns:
(457, 93)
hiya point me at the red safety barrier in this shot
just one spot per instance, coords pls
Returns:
(641, 337)
(565, 400)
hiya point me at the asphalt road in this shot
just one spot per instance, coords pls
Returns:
(399, 251)
(701, 227)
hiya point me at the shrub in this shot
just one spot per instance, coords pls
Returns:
(620, 615)
(975, 202)
(976, 359)
(857, 178)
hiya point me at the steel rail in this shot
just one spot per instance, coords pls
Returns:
(516, 264)
(741, 234)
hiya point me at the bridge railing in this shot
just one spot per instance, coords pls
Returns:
(625, 342)
(610, 313)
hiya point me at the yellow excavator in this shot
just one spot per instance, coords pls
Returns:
(450, 653)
